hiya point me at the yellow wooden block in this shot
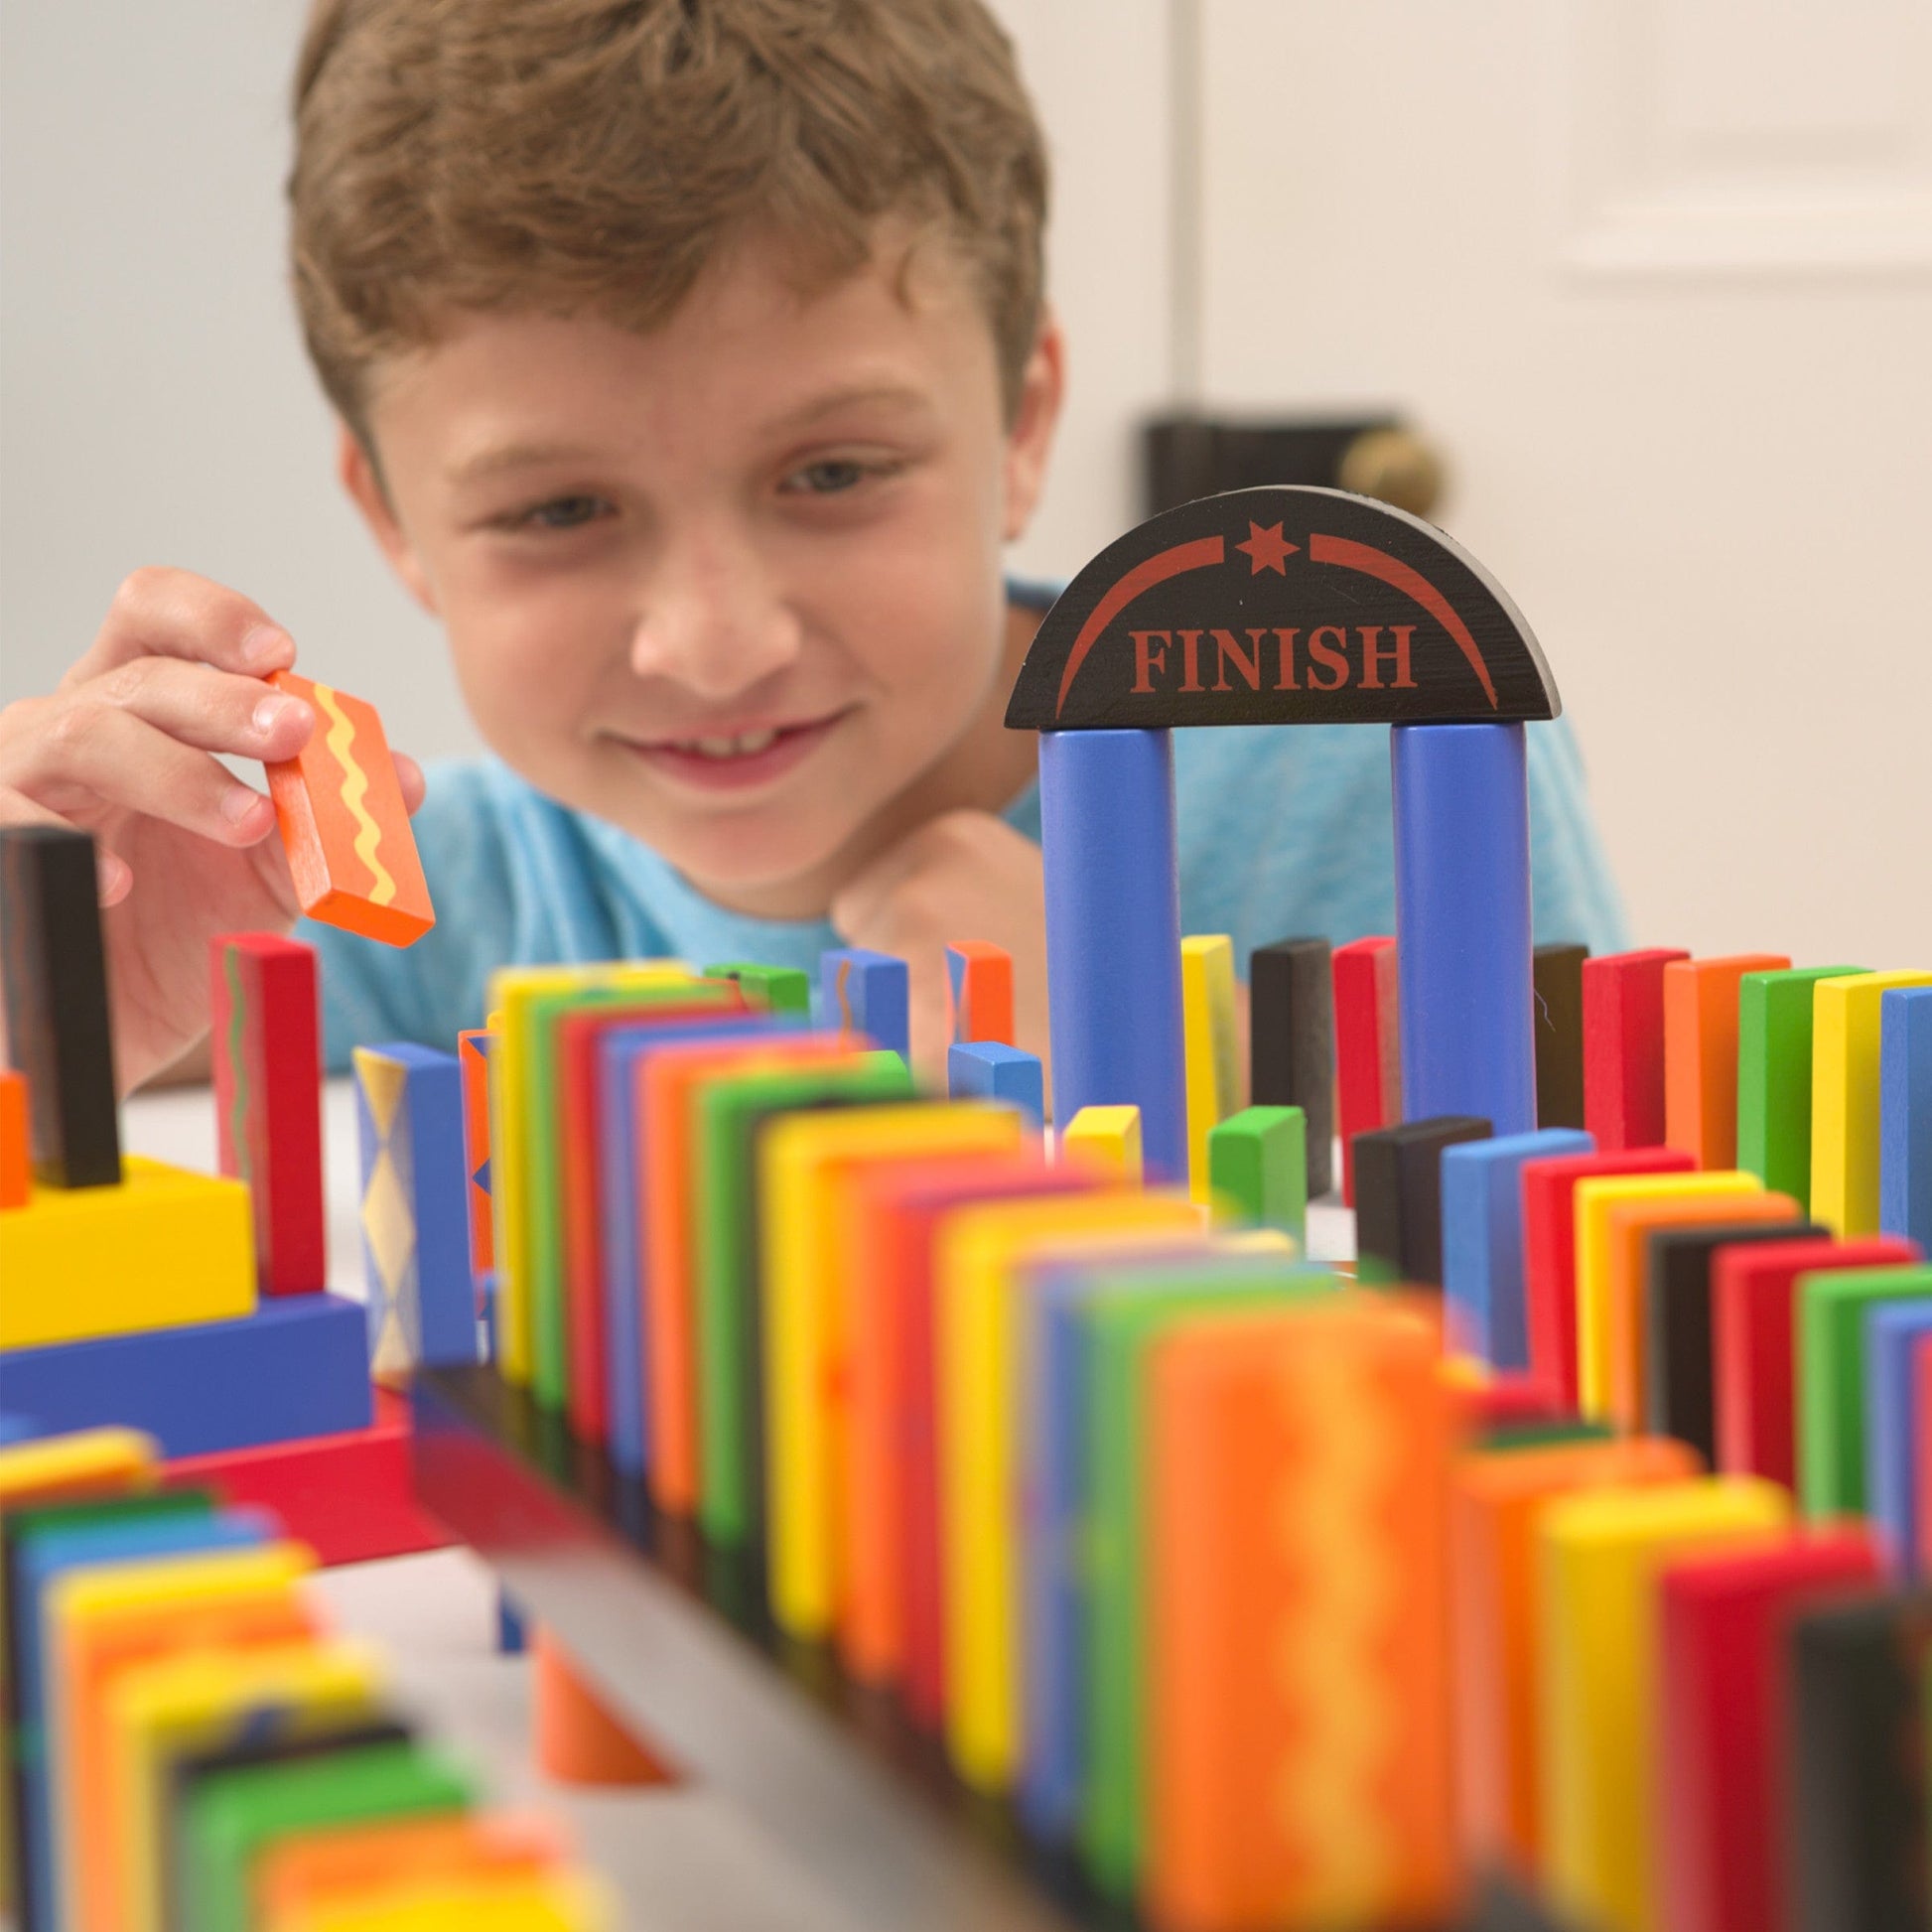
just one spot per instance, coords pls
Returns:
(1594, 1199)
(1107, 1140)
(204, 1701)
(977, 1257)
(1845, 1012)
(803, 1298)
(513, 989)
(1213, 1052)
(549, 1901)
(1599, 1556)
(61, 1468)
(127, 1611)
(163, 1249)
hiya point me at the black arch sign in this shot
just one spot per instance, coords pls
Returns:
(1282, 606)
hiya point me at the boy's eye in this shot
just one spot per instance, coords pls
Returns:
(562, 514)
(829, 476)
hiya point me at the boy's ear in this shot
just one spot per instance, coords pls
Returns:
(1030, 441)
(359, 476)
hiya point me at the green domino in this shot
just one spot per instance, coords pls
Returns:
(1544, 1434)
(1126, 1315)
(1774, 1076)
(1831, 1309)
(549, 1320)
(776, 989)
(729, 1113)
(1258, 1159)
(234, 1816)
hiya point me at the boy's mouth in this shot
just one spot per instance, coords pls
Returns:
(740, 759)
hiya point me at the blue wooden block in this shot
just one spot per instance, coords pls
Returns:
(1905, 1113)
(865, 992)
(1463, 924)
(1892, 1332)
(620, 1155)
(18, 1429)
(1482, 1238)
(415, 1206)
(984, 1069)
(299, 1366)
(179, 1524)
(1113, 933)
(511, 1639)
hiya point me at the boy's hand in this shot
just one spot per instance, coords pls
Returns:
(964, 875)
(126, 750)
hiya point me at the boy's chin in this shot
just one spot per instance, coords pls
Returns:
(776, 862)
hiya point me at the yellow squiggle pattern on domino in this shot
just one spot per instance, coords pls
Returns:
(355, 788)
(1350, 1590)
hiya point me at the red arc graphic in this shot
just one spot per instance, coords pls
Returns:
(1143, 576)
(1412, 583)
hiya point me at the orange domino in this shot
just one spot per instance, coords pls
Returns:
(339, 808)
(979, 992)
(1626, 1330)
(16, 1175)
(1701, 1053)
(1297, 1738)
(1495, 1501)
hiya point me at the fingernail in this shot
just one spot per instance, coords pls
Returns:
(111, 877)
(238, 802)
(266, 640)
(270, 712)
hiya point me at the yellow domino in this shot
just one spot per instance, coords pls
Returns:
(1594, 1199)
(1213, 1052)
(801, 1298)
(133, 1610)
(1107, 1140)
(206, 1700)
(513, 989)
(1599, 1557)
(550, 1901)
(163, 1249)
(1845, 1015)
(976, 1257)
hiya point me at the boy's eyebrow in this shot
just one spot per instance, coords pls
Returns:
(494, 458)
(856, 395)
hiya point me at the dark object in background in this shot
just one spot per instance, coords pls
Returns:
(57, 1031)
(1292, 1042)
(1558, 1011)
(1377, 455)
(1399, 1197)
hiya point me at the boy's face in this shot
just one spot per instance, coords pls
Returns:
(735, 585)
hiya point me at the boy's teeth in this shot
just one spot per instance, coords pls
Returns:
(743, 744)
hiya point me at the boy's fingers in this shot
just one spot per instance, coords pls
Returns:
(174, 613)
(100, 751)
(409, 775)
(214, 710)
(111, 876)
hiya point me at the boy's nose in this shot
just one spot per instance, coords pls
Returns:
(714, 623)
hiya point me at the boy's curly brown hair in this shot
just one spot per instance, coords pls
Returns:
(592, 155)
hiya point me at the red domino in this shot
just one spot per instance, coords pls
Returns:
(1624, 1047)
(1550, 1252)
(350, 1497)
(1368, 1061)
(1722, 1727)
(1752, 1318)
(266, 1046)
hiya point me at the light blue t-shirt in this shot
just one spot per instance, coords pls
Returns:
(1282, 833)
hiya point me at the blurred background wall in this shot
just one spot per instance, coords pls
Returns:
(1652, 277)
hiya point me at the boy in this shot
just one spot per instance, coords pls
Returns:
(692, 367)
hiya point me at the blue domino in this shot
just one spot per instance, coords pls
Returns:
(1892, 1332)
(434, 1295)
(1905, 1113)
(985, 1069)
(1482, 1239)
(1463, 924)
(181, 1525)
(299, 1366)
(1113, 933)
(871, 993)
(619, 1154)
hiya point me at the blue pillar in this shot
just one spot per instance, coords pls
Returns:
(1463, 924)
(1113, 933)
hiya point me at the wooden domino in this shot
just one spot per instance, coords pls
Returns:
(1208, 1041)
(1905, 1113)
(1107, 1141)
(16, 1164)
(1624, 1047)
(1368, 1061)
(1775, 1051)
(1399, 1197)
(473, 1047)
(1557, 979)
(1846, 1012)
(979, 993)
(1292, 1042)
(1701, 1053)
(1257, 1163)
(866, 994)
(339, 806)
(988, 1070)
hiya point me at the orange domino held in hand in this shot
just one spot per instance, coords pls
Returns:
(339, 806)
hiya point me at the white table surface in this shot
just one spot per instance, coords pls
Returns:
(681, 1860)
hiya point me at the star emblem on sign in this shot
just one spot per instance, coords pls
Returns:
(1267, 549)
